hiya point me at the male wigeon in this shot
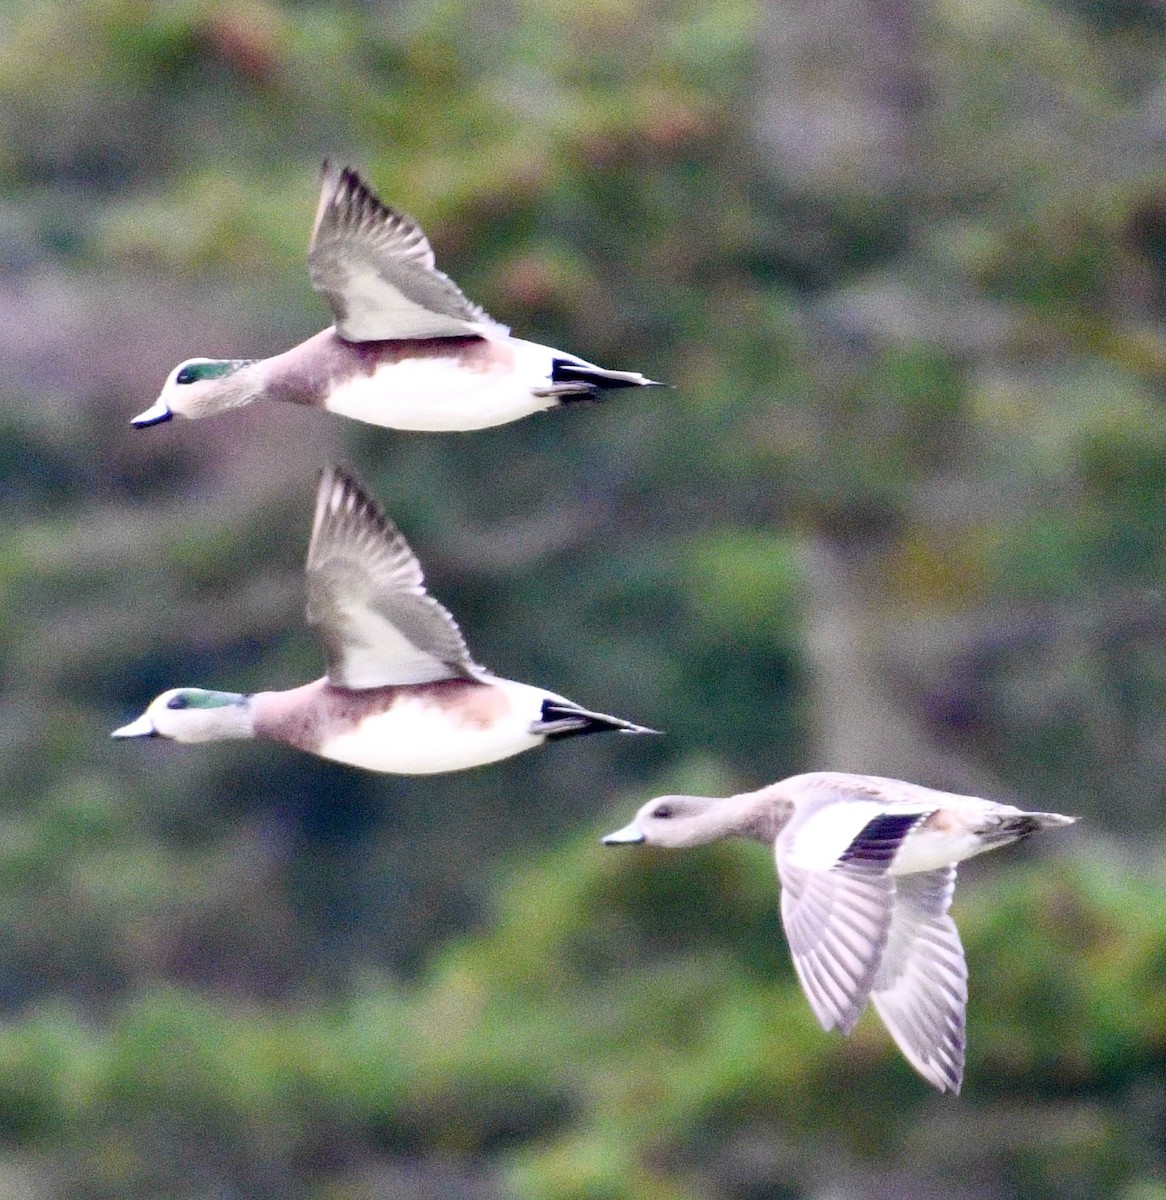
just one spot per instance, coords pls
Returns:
(402, 693)
(407, 349)
(867, 869)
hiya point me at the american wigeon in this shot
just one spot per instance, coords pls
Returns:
(407, 349)
(402, 693)
(867, 869)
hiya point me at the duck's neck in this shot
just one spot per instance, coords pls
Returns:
(760, 815)
(242, 386)
(237, 721)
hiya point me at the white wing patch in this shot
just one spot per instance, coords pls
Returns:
(367, 597)
(376, 269)
(818, 841)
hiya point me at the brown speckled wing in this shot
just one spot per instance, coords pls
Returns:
(367, 597)
(921, 989)
(376, 269)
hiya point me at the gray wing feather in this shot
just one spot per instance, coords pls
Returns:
(367, 597)
(837, 923)
(921, 988)
(375, 268)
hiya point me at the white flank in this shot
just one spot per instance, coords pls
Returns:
(440, 395)
(418, 737)
(929, 849)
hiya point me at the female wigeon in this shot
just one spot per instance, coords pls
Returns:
(407, 349)
(402, 693)
(867, 869)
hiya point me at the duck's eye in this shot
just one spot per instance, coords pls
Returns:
(663, 812)
(188, 374)
(176, 702)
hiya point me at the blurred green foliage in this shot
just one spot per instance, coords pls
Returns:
(902, 513)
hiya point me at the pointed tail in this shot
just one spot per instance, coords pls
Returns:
(597, 379)
(561, 718)
(1012, 828)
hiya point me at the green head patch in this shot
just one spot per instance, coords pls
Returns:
(199, 369)
(199, 698)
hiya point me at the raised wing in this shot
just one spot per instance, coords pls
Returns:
(921, 988)
(837, 922)
(376, 269)
(367, 597)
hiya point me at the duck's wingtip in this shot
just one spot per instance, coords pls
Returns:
(332, 168)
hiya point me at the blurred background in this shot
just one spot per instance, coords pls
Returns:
(904, 513)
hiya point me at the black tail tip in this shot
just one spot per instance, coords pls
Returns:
(597, 378)
(561, 718)
(1027, 824)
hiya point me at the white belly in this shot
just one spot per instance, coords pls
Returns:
(418, 737)
(438, 394)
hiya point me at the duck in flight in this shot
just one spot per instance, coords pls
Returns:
(402, 693)
(406, 350)
(867, 869)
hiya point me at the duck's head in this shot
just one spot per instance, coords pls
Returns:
(201, 387)
(193, 715)
(679, 821)
(672, 821)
